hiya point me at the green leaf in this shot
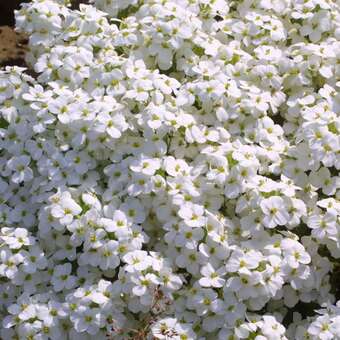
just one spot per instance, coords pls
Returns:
(3, 123)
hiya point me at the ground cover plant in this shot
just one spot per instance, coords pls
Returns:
(170, 170)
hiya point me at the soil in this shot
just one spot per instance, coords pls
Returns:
(12, 47)
(12, 44)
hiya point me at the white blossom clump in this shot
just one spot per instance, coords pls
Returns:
(170, 170)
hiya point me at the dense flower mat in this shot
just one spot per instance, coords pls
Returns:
(170, 170)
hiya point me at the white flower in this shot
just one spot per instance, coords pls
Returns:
(165, 328)
(190, 260)
(321, 328)
(65, 208)
(176, 167)
(243, 262)
(294, 253)
(275, 212)
(19, 165)
(271, 328)
(109, 255)
(244, 285)
(212, 277)
(144, 283)
(18, 238)
(34, 260)
(193, 215)
(206, 301)
(323, 225)
(61, 278)
(86, 320)
(136, 261)
(103, 293)
(23, 309)
(9, 263)
(145, 166)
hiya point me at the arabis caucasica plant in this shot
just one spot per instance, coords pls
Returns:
(170, 170)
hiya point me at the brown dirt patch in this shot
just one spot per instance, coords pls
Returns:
(12, 47)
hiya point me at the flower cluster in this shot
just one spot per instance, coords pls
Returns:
(325, 325)
(170, 170)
